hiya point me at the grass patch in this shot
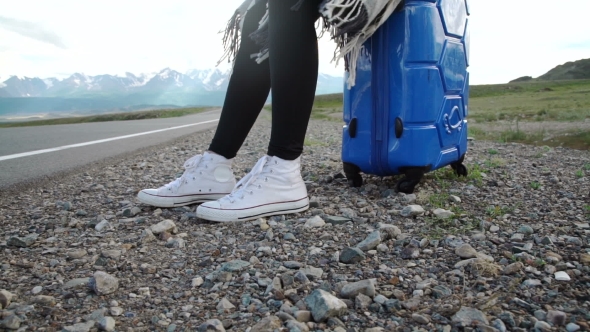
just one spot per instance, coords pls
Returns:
(309, 142)
(495, 211)
(535, 185)
(495, 162)
(437, 229)
(531, 101)
(574, 139)
(443, 175)
(156, 114)
(439, 200)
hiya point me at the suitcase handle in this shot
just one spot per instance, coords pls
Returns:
(447, 119)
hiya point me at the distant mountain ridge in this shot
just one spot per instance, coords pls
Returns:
(81, 85)
(572, 70)
(80, 93)
(165, 81)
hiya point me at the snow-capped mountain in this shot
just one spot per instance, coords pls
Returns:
(85, 93)
(165, 81)
(78, 84)
(23, 87)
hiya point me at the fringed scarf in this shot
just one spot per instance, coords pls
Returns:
(350, 24)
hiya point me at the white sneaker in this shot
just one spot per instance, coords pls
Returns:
(206, 178)
(273, 187)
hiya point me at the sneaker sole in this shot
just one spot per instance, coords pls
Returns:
(167, 202)
(225, 215)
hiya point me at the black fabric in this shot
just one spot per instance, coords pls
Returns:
(291, 71)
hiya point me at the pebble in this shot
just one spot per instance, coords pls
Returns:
(314, 222)
(420, 319)
(465, 251)
(572, 327)
(556, 317)
(442, 213)
(412, 211)
(562, 276)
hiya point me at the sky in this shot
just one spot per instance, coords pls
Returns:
(40, 38)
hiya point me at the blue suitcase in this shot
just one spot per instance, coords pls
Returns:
(406, 113)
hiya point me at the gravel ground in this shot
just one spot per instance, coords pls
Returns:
(504, 249)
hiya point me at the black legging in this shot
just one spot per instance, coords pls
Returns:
(291, 71)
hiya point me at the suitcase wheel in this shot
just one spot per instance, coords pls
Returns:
(353, 174)
(459, 169)
(406, 185)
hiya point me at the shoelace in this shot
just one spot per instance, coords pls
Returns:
(190, 165)
(242, 187)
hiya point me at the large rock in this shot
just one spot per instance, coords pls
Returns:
(371, 242)
(267, 324)
(22, 242)
(11, 322)
(164, 226)
(324, 305)
(234, 266)
(366, 287)
(351, 255)
(469, 316)
(103, 283)
(212, 325)
(5, 298)
(80, 327)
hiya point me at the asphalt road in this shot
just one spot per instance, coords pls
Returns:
(30, 154)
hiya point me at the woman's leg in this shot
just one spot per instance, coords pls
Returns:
(293, 71)
(209, 176)
(247, 92)
(274, 186)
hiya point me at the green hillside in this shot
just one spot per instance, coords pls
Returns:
(573, 70)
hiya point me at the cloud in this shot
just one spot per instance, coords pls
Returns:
(31, 30)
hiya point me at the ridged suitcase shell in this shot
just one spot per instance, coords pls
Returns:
(407, 112)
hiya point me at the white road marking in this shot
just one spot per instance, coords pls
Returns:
(31, 153)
